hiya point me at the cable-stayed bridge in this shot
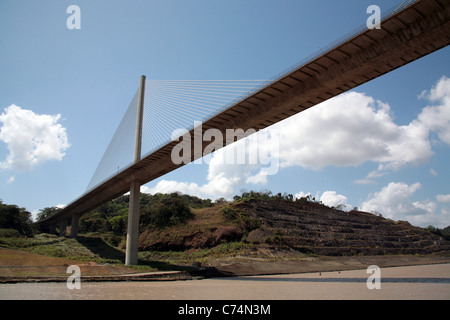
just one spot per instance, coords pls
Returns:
(141, 148)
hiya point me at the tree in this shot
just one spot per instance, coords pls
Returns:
(13, 217)
(172, 210)
(434, 230)
(46, 212)
(118, 225)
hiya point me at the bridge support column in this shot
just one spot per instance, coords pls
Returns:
(52, 229)
(62, 228)
(74, 226)
(131, 254)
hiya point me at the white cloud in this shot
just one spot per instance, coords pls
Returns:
(364, 181)
(394, 202)
(354, 128)
(222, 181)
(217, 188)
(11, 179)
(332, 199)
(443, 198)
(433, 172)
(437, 118)
(259, 178)
(301, 194)
(31, 139)
(349, 130)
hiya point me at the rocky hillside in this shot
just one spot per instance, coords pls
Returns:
(305, 227)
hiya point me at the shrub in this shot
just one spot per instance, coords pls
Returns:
(229, 213)
(171, 211)
(118, 225)
(9, 233)
(13, 217)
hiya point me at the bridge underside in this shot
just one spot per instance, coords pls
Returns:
(412, 33)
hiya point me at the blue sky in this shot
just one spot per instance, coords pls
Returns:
(89, 76)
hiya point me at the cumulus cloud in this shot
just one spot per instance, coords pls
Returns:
(443, 198)
(433, 172)
(302, 194)
(437, 117)
(364, 181)
(222, 180)
(394, 201)
(332, 199)
(218, 187)
(31, 139)
(354, 128)
(349, 130)
(328, 198)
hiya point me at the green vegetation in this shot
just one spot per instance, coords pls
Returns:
(169, 211)
(102, 231)
(443, 233)
(46, 212)
(159, 210)
(229, 213)
(267, 195)
(15, 218)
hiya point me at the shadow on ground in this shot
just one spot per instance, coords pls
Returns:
(99, 247)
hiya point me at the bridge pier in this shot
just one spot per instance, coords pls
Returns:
(131, 257)
(131, 254)
(74, 226)
(52, 229)
(62, 228)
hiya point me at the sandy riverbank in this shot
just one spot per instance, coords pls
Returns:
(238, 266)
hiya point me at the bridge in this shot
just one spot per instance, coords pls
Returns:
(407, 33)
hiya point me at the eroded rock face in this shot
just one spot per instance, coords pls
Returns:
(304, 227)
(315, 228)
(197, 239)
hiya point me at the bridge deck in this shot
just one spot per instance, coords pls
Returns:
(410, 34)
